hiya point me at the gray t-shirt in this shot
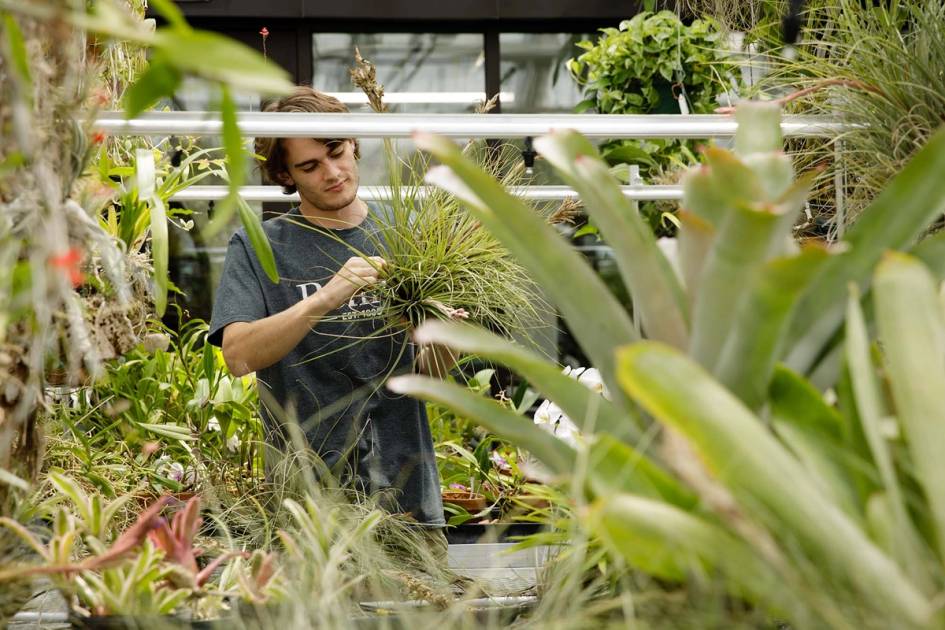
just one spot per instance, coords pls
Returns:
(333, 380)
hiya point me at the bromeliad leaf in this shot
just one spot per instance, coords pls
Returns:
(654, 287)
(910, 322)
(762, 474)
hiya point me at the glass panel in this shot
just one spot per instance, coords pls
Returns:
(420, 72)
(534, 72)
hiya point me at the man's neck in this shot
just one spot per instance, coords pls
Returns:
(350, 216)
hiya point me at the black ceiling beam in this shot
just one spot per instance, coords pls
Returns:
(505, 11)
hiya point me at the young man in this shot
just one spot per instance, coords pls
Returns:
(310, 338)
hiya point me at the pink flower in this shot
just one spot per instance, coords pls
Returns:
(264, 32)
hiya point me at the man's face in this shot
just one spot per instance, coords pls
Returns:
(325, 175)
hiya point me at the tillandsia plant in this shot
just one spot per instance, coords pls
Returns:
(47, 237)
(687, 482)
(441, 262)
(879, 69)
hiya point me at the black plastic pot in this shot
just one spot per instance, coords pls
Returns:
(469, 533)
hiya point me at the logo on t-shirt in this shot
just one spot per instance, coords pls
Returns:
(360, 306)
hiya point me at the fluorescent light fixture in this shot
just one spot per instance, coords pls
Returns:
(360, 98)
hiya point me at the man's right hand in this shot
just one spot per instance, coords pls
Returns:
(356, 274)
(251, 346)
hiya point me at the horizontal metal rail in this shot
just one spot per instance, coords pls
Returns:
(384, 193)
(284, 125)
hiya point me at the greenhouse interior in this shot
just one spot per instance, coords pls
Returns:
(472, 315)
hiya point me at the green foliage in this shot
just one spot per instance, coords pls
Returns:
(880, 68)
(642, 67)
(470, 459)
(176, 417)
(625, 71)
(135, 588)
(791, 520)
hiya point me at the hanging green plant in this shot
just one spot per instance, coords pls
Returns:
(654, 64)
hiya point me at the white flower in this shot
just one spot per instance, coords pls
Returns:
(590, 377)
(549, 416)
(213, 424)
(233, 443)
(169, 469)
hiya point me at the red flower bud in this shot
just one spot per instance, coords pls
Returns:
(98, 137)
(264, 32)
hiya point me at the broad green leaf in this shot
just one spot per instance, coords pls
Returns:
(558, 456)
(73, 491)
(735, 261)
(769, 483)
(733, 180)
(903, 211)
(160, 80)
(618, 467)
(171, 13)
(794, 400)
(902, 538)
(16, 48)
(172, 431)
(819, 458)
(598, 320)
(694, 243)
(756, 341)
(653, 286)
(912, 332)
(208, 362)
(673, 544)
(703, 198)
(574, 398)
(257, 238)
(235, 164)
(219, 58)
(931, 251)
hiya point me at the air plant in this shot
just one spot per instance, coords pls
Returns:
(441, 263)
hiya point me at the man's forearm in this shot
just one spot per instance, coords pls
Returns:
(251, 346)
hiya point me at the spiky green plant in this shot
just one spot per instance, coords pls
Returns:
(881, 71)
(716, 494)
(441, 262)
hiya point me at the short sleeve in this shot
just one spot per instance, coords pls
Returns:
(239, 297)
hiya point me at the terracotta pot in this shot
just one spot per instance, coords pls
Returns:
(469, 501)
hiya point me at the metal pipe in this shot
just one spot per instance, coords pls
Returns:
(284, 125)
(384, 193)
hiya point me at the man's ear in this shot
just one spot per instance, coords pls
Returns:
(284, 179)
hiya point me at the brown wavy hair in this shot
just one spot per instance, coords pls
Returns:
(271, 151)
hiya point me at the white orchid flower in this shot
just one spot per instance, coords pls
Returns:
(549, 416)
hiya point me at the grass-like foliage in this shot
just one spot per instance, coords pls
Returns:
(881, 70)
(440, 259)
(441, 262)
